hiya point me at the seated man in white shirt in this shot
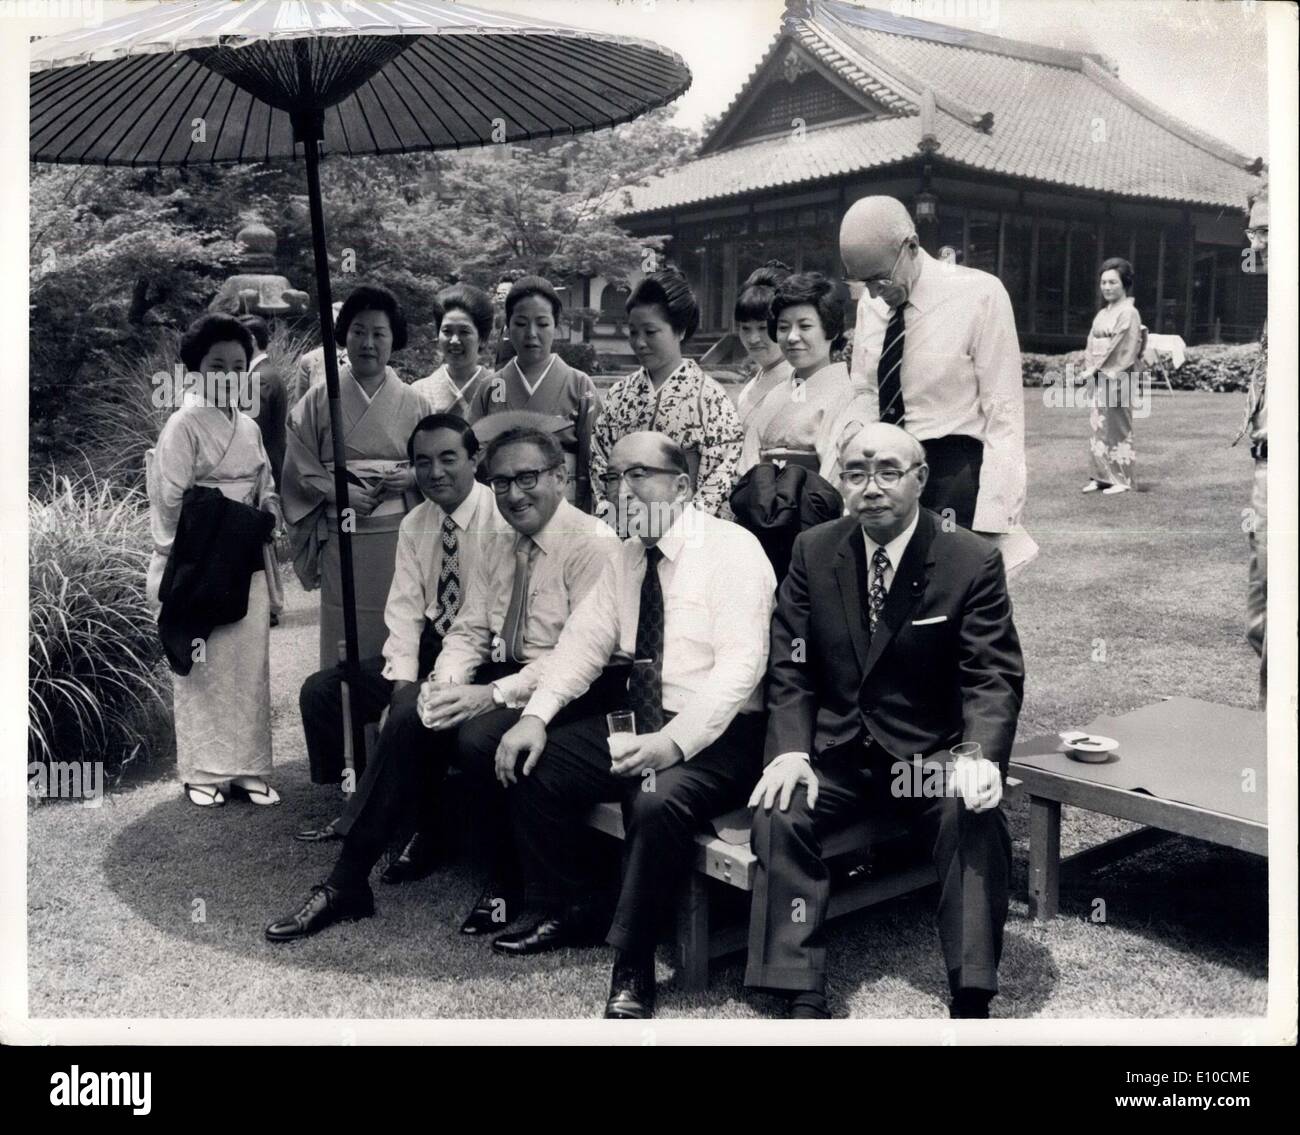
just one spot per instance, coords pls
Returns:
(689, 598)
(431, 570)
(516, 602)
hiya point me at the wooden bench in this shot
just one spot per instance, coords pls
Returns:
(730, 861)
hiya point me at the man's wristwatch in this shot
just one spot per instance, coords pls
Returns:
(498, 698)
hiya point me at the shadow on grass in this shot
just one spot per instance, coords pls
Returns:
(218, 876)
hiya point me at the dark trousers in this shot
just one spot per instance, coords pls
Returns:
(410, 765)
(400, 790)
(971, 853)
(954, 480)
(320, 701)
(661, 817)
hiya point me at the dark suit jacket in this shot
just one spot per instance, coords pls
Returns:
(217, 550)
(272, 415)
(777, 504)
(914, 688)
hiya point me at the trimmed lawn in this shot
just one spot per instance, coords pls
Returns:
(148, 907)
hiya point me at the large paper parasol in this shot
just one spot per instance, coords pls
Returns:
(210, 81)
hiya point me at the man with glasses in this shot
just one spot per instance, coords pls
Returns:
(516, 601)
(892, 641)
(689, 598)
(935, 352)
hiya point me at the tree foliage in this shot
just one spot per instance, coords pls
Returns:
(118, 256)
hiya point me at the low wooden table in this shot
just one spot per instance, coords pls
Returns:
(1183, 767)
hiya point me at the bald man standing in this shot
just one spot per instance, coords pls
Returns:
(892, 643)
(936, 352)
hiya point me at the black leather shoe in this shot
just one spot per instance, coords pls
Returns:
(326, 906)
(317, 835)
(491, 911)
(549, 934)
(631, 990)
(809, 1006)
(418, 860)
(970, 1004)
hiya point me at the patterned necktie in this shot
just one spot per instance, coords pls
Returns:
(448, 578)
(646, 686)
(876, 594)
(516, 613)
(889, 372)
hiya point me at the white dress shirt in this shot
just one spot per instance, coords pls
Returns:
(893, 550)
(961, 375)
(571, 552)
(413, 596)
(719, 592)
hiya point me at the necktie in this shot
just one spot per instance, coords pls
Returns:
(646, 686)
(448, 578)
(889, 372)
(876, 594)
(516, 613)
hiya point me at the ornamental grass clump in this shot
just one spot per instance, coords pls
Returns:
(97, 684)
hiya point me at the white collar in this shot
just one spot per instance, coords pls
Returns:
(256, 359)
(460, 391)
(532, 388)
(896, 547)
(672, 541)
(464, 512)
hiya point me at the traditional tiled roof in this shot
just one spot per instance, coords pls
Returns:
(1020, 110)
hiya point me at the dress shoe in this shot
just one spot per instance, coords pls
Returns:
(970, 1004)
(631, 989)
(548, 934)
(809, 1006)
(317, 835)
(491, 911)
(326, 906)
(417, 860)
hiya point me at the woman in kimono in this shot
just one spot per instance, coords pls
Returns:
(671, 394)
(223, 706)
(379, 414)
(752, 306)
(464, 315)
(794, 421)
(538, 381)
(1112, 358)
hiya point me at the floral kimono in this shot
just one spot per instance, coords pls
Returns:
(1113, 353)
(693, 410)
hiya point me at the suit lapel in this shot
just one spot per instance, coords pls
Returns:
(906, 590)
(851, 577)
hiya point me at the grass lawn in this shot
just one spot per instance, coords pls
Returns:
(147, 907)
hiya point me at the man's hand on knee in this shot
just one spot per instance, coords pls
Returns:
(526, 738)
(780, 779)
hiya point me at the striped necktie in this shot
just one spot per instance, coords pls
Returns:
(448, 578)
(889, 372)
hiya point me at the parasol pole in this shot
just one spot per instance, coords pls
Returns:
(309, 129)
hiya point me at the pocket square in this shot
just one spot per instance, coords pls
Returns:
(929, 622)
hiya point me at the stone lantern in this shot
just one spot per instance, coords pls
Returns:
(256, 289)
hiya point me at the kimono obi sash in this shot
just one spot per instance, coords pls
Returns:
(388, 513)
(242, 489)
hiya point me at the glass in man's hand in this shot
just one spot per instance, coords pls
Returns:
(622, 727)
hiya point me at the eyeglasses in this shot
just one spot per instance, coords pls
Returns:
(526, 480)
(635, 474)
(879, 283)
(886, 478)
